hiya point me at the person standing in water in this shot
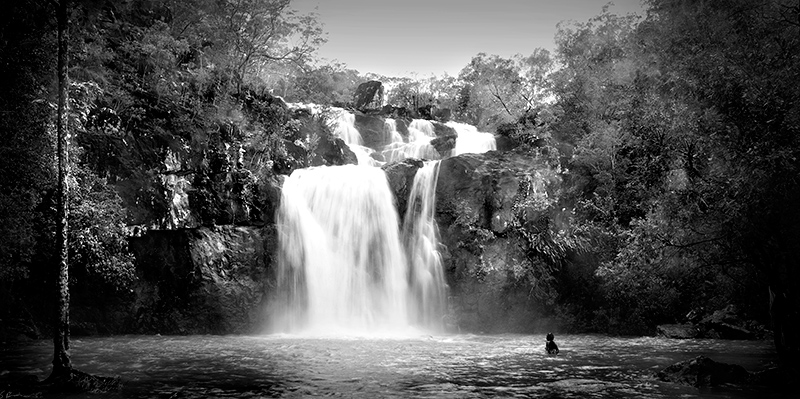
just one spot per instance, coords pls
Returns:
(550, 346)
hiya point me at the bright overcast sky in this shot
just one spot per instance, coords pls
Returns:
(425, 37)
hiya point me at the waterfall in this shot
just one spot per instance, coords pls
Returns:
(420, 233)
(424, 127)
(390, 129)
(341, 266)
(345, 129)
(344, 267)
(420, 134)
(470, 140)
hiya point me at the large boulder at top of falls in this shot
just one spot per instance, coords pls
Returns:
(202, 281)
(485, 206)
(368, 95)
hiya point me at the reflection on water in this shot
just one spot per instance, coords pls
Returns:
(458, 366)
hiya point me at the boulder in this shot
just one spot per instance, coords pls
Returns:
(726, 324)
(443, 130)
(679, 331)
(201, 281)
(704, 372)
(368, 95)
(333, 151)
(390, 111)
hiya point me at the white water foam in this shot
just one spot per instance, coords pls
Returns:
(470, 140)
(420, 233)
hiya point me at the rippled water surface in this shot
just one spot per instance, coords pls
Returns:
(457, 366)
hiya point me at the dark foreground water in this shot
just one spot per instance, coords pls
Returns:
(458, 366)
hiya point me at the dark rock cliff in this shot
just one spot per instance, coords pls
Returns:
(201, 281)
(486, 204)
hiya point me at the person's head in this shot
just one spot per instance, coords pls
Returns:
(550, 336)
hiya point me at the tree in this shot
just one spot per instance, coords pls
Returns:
(741, 78)
(62, 365)
(246, 36)
(326, 84)
(503, 89)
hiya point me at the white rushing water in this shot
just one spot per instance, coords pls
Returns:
(341, 260)
(420, 234)
(470, 140)
(344, 266)
(420, 134)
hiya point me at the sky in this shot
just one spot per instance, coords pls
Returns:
(420, 38)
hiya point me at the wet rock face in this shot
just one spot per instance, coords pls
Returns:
(444, 144)
(202, 281)
(372, 131)
(484, 202)
(443, 130)
(400, 176)
(333, 151)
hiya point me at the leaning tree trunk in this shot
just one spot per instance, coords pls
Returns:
(61, 361)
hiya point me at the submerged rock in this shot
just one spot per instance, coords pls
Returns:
(703, 372)
(679, 331)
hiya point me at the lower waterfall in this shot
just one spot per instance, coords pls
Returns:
(342, 264)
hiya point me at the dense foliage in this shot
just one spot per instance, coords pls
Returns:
(164, 95)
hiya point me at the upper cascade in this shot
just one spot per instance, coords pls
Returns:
(471, 141)
(419, 140)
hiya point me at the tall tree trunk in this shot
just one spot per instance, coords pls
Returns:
(61, 361)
